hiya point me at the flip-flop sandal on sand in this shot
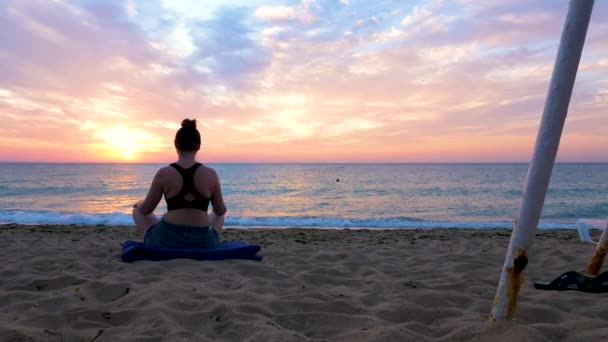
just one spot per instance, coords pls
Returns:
(599, 283)
(576, 282)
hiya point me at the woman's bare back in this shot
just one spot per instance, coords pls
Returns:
(205, 181)
(168, 182)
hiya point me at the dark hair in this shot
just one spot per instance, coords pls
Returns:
(188, 138)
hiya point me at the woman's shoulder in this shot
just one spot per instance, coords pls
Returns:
(166, 171)
(206, 168)
(208, 171)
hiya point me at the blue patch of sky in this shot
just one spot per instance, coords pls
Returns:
(225, 47)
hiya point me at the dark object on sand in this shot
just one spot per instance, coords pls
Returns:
(577, 282)
(337, 179)
(133, 251)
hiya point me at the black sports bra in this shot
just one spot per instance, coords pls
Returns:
(179, 201)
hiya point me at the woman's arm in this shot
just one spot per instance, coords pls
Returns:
(154, 195)
(217, 201)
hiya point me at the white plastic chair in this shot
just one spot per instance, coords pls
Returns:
(584, 225)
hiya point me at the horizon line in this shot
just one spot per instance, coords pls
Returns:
(299, 163)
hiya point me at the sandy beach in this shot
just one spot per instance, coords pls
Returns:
(68, 283)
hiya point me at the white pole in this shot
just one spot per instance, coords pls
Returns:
(545, 150)
(595, 265)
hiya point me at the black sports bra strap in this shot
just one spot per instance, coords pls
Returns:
(181, 169)
(179, 201)
(187, 177)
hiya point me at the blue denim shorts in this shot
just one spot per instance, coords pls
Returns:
(167, 235)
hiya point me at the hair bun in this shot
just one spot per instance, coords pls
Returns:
(187, 123)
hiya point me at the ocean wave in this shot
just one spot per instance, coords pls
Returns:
(21, 191)
(120, 219)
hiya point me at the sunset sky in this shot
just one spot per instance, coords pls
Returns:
(292, 81)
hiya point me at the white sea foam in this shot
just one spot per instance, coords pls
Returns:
(118, 219)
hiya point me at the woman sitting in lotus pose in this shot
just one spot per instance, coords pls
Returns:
(188, 187)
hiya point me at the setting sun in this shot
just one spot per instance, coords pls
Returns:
(124, 143)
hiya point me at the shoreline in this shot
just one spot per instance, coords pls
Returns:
(431, 225)
(68, 283)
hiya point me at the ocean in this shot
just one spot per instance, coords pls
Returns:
(312, 195)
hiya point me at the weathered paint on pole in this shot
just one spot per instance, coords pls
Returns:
(545, 150)
(595, 265)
